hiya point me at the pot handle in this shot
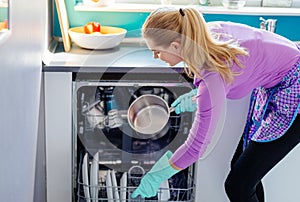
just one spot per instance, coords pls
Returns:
(194, 98)
(123, 114)
(171, 109)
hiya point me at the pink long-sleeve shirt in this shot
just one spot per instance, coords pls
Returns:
(271, 56)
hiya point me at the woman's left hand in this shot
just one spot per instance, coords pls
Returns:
(185, 102)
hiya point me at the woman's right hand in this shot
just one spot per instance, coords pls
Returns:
(185, 102)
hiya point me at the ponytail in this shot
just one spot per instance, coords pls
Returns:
(199, 50)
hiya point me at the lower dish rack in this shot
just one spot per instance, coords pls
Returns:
(113, 186)
(177, 194)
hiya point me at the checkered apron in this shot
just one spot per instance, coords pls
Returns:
(273, 110)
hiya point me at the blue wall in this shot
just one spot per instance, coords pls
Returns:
(3, 14)
(286, 25)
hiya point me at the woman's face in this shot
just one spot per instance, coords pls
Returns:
(170, 55)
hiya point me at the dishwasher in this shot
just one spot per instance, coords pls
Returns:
(109, 158)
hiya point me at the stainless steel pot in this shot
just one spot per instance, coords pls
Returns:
(148, 114)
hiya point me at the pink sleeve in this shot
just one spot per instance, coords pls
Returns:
(210, 99)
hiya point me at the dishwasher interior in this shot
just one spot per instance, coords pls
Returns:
(109, 157)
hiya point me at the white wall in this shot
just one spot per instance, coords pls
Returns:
(283, 182)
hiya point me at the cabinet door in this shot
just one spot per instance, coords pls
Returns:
(58, 129)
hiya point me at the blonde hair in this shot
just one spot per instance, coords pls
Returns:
(200, 50)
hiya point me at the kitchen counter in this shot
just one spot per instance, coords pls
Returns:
(131, 53)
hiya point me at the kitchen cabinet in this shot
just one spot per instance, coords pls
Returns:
(58, 135)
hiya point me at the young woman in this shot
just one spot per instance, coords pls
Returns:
(228, 60)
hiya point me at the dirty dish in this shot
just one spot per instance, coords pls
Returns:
(94, 178)
(115, 186)
(164, 191)
(109, 189)
(123, 185)
(85, 178)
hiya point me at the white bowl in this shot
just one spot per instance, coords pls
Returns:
(109, 37)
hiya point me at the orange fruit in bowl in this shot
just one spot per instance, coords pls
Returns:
(92, 27)
(4, 25)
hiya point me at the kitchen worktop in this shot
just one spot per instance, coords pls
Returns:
(131, 53)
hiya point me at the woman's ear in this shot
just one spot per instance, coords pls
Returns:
(176, 46)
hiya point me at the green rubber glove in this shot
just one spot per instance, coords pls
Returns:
(185, 102)
(150, 183)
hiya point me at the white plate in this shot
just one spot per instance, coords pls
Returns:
(85, 178)
(94, 178)
(109, 186)
(123, 185)
(115, 186)
(164, 192)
